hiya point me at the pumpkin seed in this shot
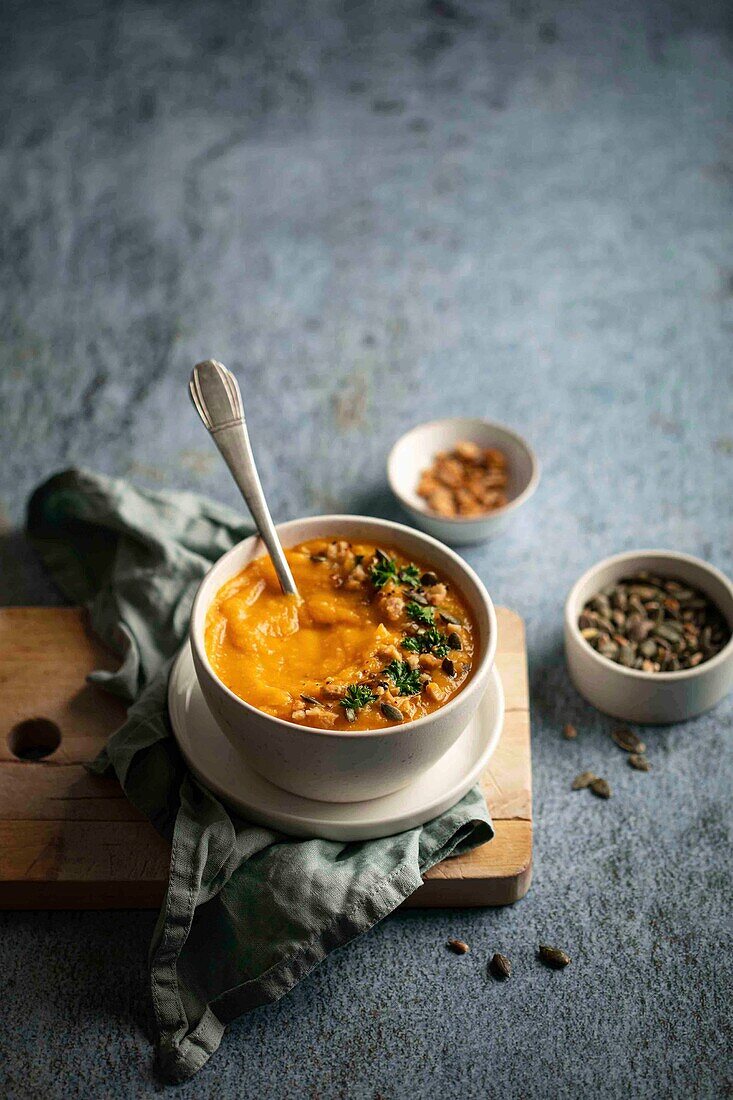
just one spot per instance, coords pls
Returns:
(639, 628)
(448, 667)
(391, 712)
(500, 967)
(601, 787)
(450, 619)
(636, 605)
(318, 557)
(667, 631)
(553, 957)
(627, 655)
(428, 579)
(310, 699)
(569, 732)
(602, 604)
(628, 741)
(644, 591)
(620, 598)
(583, 780)
(639, 761)
(454, 642)
(458, 947)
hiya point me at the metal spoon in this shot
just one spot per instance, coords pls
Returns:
(216, 397)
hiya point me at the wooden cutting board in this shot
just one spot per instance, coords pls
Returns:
(69, 840)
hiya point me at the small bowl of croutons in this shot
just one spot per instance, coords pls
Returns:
(461, 479)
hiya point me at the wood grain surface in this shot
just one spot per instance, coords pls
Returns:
(72, 840)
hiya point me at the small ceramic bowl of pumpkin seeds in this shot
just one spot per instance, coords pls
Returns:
(648, 636)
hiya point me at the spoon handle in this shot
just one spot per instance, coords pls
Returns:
(215, 394)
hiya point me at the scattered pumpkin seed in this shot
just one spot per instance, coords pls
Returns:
(458, 947)
(500, 967)
(639, 761)
(454, 642)
(601, 787)
(583, 780)
(448, 667)
(318, 557)
(427, 580)
(310, 699)
(553, 956)
(627, 740)
(569, 732)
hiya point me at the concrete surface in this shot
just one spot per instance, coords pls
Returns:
(377, 213)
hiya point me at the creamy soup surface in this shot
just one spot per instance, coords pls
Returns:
(376, 638)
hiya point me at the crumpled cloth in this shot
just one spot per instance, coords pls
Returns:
(248, 911)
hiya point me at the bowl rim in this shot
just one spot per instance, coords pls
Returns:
(609, 666)
(473, 685)
(467, 521)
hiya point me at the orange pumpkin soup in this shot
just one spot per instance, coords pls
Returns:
(375, 638)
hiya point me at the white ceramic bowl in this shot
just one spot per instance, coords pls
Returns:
(338, 765)
(415, 451)
(654, 697)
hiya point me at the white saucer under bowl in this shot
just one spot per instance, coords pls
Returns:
(215, 761)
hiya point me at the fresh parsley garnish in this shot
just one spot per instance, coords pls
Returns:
(410, 576)
(356, 696)
(382, 570)
(418, 614)
(427, 641)
(406, 679)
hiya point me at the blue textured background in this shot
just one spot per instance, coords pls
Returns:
(376, 214)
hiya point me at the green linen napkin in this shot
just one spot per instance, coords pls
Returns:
(248, 911)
